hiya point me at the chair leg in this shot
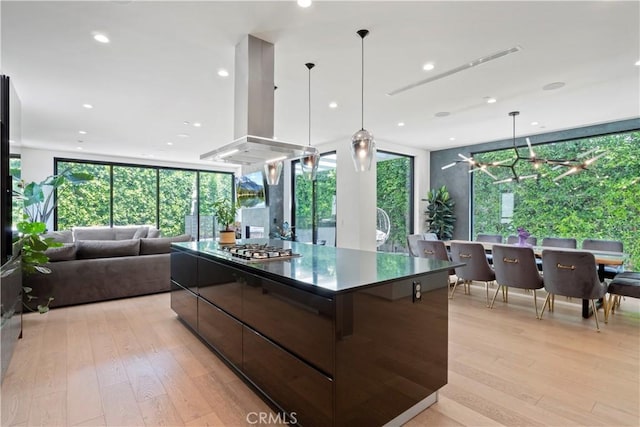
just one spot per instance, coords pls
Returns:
(552, 305)
(535, 303)
(611, 305)
(595, 314)
(546, 301)
(486, 290)
(453, 291)
(495, 295)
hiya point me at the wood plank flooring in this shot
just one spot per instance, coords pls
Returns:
(132, 363)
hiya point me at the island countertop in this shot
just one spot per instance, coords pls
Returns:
(325, 268)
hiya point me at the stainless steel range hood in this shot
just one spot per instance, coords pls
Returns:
(253, 110)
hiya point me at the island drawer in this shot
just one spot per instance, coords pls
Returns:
(185, 304)
(184, 270)
(223, 332)
(221, 285)
(298, 388)
(300, 321)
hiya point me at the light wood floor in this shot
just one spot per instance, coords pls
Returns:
(131, 362)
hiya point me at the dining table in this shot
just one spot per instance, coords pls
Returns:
(603, 258)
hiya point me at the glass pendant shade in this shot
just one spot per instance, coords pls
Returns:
(363, 150)
(272, 172)
(310, 166)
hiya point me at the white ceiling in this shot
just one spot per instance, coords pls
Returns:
(160, 70)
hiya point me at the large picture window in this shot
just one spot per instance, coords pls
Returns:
(314, 203)
(395, 197)
(599, 203)
(175, 200)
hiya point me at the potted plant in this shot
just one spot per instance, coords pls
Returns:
(225, 212)
(440, 217)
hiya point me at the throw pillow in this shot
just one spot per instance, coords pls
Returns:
(126, 233)
(93, 233)
(63, 236)
(88, 249)
(153, 233)
(141, 232)
(160, 245)
(66, 252)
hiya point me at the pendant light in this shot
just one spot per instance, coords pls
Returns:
(310, 163)
(363, 147)
(273, 170)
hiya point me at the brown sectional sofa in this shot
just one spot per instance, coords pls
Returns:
(102, 263)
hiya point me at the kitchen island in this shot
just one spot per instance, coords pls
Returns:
(329, 337)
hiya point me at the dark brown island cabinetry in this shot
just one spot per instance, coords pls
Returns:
(334, 337)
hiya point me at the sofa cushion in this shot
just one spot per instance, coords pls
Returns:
(126, 233)
(88, 249)
(153, 233)
(93, 233)
(160, 245)
(66, 252)
(63, 236)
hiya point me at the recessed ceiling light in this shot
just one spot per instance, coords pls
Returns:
(82, 132)
(400, 124)
(491, 100)
(442, 114)
(80, 141)
(223, 73)
(183, 135)
(78, 148)
(553, 86)
(185, 122)
(453, 138)
(534, 123)
(87, 106)
(99, 37)
(333, 105)
(304, 3)
(169, 143)
(428, 66)
(197, 125)
(638, 63)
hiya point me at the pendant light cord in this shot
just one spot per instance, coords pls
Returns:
(362, 86)
(309, 107)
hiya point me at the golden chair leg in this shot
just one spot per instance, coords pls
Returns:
(486, 290)
(546, 301)
(611, 305)
(552, 305)
(535, 303)
(495, 295)
(595, 314)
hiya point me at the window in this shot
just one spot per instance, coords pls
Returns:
(119, 194)
(314, 203)
(395, 197)
(15, 165)
(88, 204)
(599, 203)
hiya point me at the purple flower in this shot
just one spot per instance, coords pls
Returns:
(523, 233)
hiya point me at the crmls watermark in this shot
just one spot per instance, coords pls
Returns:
(271, 418)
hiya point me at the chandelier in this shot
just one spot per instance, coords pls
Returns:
(571, 166)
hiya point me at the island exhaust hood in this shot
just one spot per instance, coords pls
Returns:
(253, 111)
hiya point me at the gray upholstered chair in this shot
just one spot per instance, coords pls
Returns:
(429, 236)
(625, 284)
(609, 246)
(434, 249)
(412, 243)
(512, 240)
(559, 242)
(572, 274)
(476, 266)
(490, 238)
(515, 267)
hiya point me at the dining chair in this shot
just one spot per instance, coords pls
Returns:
(626, 284)
(515, 266)
(476, 266)
(412, 243)
(560, 242)
(490, 238)
(512, 240)
(429, 236)
(435, 249)
(609, 246)
(572, 274)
